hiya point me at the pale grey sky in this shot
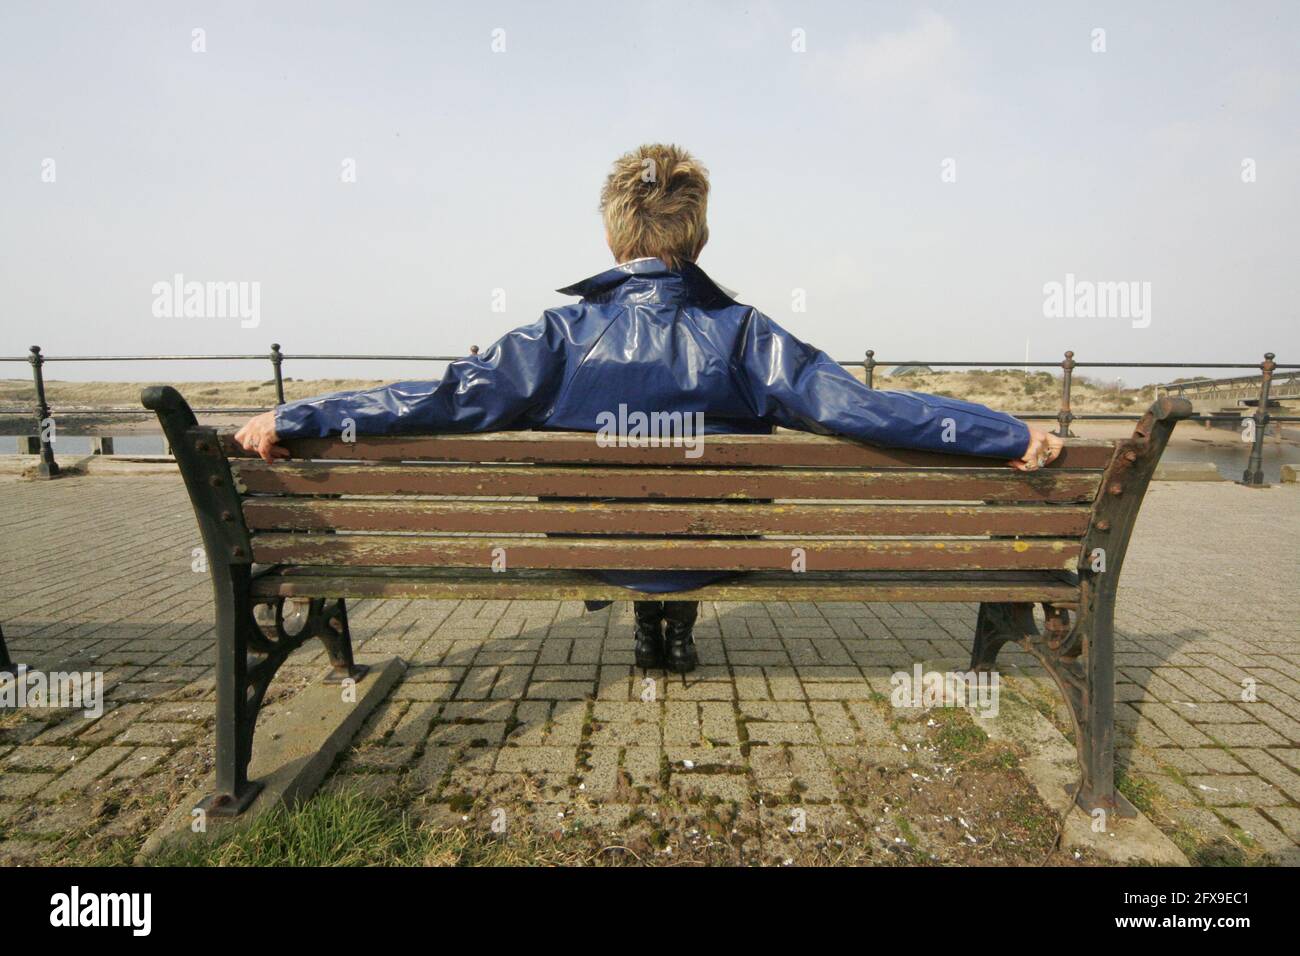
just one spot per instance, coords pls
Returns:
(479, 170)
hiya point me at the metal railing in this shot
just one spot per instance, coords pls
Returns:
(1253, 475)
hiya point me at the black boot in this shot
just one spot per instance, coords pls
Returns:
(679, 644)
(649, 633)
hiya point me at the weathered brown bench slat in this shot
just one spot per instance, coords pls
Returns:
(856, 554)
(990, 484)
(440, 517)
(753, 451)
(864, 586)
(599, 517)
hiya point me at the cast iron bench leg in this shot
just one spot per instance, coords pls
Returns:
(327, 621)
(249, 652)
(997, 624)
(1081, 661)
(7, 666)
(1088, 687)
(238, 698)
(1097, 746)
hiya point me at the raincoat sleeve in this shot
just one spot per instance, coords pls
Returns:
(794, 385)
(508, 385)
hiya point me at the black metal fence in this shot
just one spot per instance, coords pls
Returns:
(1253, 475)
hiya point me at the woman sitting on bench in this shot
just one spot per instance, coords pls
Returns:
(656, 335)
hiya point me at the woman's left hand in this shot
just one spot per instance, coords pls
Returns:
(1044, 448)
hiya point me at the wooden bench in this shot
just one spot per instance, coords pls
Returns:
(448, 517)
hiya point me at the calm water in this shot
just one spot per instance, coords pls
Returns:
(1231, 462)
(76, 447)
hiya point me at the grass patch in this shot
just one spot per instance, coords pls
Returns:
(1218, 852)
(1200, 848)
(1037, 823)
(1140, 792)
(333, 829)
(1001, 757)
(118, 852)
(461, 802)
(352, 829)
(957, 736)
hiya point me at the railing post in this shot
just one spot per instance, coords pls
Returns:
(1254, 474)
(276, 359)
(1065, 416)
(48, 467)
(870, 366)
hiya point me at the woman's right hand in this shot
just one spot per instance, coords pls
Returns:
(259, 437)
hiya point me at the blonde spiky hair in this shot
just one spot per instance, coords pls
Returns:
(655, 203)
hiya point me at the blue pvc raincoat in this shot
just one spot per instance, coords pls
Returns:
(658, 340)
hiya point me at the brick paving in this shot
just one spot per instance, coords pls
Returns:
(96, 574)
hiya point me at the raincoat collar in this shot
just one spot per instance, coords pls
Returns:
(690, 276)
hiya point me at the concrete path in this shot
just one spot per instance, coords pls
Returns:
(540, 700)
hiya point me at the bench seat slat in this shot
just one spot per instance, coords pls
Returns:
(475, 584)
(598, 517)
(762, 451)
(680, 554)
(965, 484)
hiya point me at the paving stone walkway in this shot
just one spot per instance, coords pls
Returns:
(97, 573)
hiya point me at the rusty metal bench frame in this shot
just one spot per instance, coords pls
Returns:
(340, 524)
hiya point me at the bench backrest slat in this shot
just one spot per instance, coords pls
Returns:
(459, 501)
(959, 484)
(566, 500)
(600, 517)
(581, 448)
